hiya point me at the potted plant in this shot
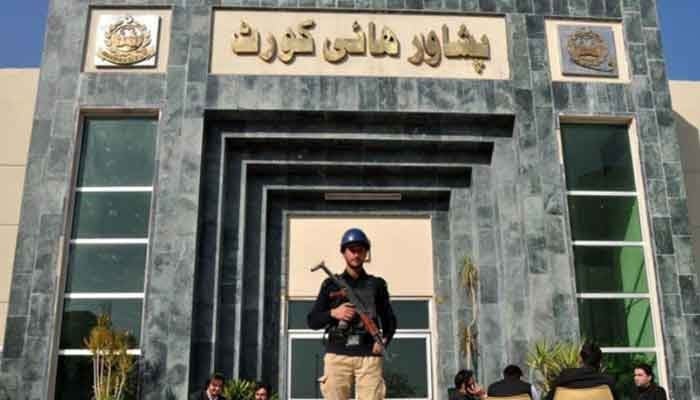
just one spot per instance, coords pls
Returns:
(549, 358)
(241, 389)
(111, 363)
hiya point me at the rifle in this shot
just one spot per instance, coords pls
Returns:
(359, 305)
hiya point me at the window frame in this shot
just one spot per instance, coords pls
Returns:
(426, 334)
(65, 240)
(646, 243)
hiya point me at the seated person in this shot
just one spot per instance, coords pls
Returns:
(212, 390)
(587, 376)
(647, 389)
(512, 385)
(466, 387)
(262, 391)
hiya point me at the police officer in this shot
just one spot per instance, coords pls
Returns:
(352, 356)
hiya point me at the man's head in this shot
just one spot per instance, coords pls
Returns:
(591, 355)
(512, 372)
(643, 375)
(354, 246)
(262, 391)
(215, 384)
(464, 380)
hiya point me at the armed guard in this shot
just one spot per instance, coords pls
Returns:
(356, 334)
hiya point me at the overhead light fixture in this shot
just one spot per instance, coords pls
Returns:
(362, 196)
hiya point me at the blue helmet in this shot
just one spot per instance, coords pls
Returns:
(354, 236)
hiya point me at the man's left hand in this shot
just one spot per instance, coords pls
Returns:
(376, 348)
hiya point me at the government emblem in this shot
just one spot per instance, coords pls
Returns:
(588, 51)
(128, 41)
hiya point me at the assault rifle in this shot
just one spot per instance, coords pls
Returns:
(360, 306)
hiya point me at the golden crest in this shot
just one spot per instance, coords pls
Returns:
(127, 42)
(588, 49)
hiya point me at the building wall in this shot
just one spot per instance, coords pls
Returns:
(17, 100)
(685, 97)
(523, 184)
(17, 107)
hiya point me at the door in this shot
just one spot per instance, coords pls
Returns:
(402, 254)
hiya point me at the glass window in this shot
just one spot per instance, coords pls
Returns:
(597, 157)
(298, 310)
(406, 370)
(118, 152)
(610, 269)
(80, 316)
(306, 368)
(617, 322)
(111, 215)
(98, 268)
(74, 379)
(73, 376)
(604, 218)
(411, 314)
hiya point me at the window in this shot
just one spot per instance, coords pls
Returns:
(407, 369)
(614, 289)
(108, 245)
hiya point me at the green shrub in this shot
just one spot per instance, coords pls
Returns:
(241, 389)
(111, 363)
(549, 358)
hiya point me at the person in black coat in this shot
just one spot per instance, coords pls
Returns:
(587, 376)
(647, 389)
(512, 385)
(212, 390)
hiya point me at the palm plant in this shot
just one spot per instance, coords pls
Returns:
(549, 358)
(111, 363)
(239, 389)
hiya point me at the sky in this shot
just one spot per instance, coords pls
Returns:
(22, 25)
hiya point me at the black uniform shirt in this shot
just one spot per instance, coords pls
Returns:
(651, 392)
(320, 315)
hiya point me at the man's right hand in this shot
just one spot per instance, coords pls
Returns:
(344, 312)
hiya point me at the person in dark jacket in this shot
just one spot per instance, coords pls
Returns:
(212, 390)
(647, 389)
(353, 358)
(466, 387)
(587, 376)
(512, 385)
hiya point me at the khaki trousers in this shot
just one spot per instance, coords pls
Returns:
(340, 372)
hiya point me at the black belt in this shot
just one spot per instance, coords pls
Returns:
(340, 337)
